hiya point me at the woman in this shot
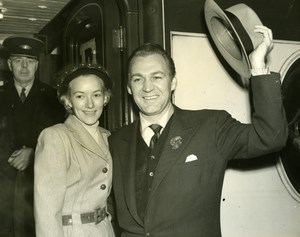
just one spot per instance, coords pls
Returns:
(73, 166)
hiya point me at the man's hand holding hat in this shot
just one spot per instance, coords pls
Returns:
(238, 33)
(258, 56)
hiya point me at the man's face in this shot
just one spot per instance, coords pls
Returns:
(23, 68)
(150, 84)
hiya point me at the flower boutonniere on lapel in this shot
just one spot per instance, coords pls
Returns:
(176, 142)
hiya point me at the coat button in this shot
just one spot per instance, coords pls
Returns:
(104, 170)
(103, 186)
(147, 234)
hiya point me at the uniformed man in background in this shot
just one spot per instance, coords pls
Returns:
(27, 106)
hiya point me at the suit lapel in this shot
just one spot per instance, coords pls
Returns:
(128, 169)
(83, 137)
(180, 133)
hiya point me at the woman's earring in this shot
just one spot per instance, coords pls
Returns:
(69, 106)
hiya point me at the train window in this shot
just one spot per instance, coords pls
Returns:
(84, 35)
(289, 163)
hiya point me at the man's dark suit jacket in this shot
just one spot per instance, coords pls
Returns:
(185, 196)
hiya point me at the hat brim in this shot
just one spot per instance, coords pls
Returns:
(88, 71)
(228, 41)
(24, 46)
(71, 72)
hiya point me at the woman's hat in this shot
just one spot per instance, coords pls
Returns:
(233, 33)
(24, 46)
(70, 72)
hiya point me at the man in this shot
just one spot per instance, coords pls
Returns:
(26, 107)
(174, 189)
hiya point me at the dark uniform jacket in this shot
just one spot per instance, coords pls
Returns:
(184, 199)
(20, 125)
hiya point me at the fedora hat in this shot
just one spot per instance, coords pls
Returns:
(24, 46)
(232, 31)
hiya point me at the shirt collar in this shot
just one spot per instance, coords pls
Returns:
(162, 120)
(28, 88)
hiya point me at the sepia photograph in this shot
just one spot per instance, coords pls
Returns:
(156, 118)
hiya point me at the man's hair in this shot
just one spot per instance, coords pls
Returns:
(150, 49)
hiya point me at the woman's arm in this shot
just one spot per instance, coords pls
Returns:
(50, 172)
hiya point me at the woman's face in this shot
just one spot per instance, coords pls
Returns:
(87, 98)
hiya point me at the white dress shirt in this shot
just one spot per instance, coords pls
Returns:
(27, 88)
(146, 131)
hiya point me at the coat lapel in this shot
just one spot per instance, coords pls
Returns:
(179, 130)
(128, 166)
(83, 137)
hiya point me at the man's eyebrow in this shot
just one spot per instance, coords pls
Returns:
(158, 72)
(136, 74)
(152, 73)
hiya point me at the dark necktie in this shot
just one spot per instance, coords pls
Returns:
(23, 95)
(156, 129)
